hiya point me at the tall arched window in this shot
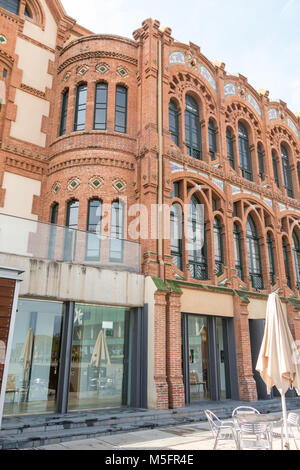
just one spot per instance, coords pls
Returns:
(261, 165)
(70, 232)
(230, 148)
(275, 168)
(11, 5)
(287, 174)
(238, 251)
(192, 128)
(212, 138)
(254, 259)
(286, 262)
(94, 230)
(174, 122)
(121, 110)
(117, 232)
(176, 235)
(100, 116)
(80, 109)
(218, 246)
(245, 154)
(64, 112)
(52, 230)
(197, 241)
(296, 254)
(271, 261)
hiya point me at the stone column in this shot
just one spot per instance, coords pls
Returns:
(160, 371)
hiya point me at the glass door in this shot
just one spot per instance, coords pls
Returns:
(198, 358)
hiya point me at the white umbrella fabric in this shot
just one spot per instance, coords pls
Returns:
(100, 352)
(278, 362)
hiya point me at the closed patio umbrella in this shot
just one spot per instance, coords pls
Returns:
(278, 362)
(100, 352)
(26, 357)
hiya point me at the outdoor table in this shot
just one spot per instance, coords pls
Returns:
(255, 418)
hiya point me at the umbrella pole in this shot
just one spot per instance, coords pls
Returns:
(285, 425)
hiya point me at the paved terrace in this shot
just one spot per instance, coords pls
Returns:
(115, 427)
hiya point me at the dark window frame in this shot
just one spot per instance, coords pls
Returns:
(118, 231)
(296, 256)
(121, 110)
(254, 258)
(261, 164)
(92, 229)
(286, 262)
(237, 240)
(198, 264)
(230, 148)
(174, 116)
(275, 168)
(212, 138)
(64, 112)
(287, 172)
(245, 153)
(80, 108)
(192, 126)
(99, 105)
(176, 244)
(271, 258)
(219, 256)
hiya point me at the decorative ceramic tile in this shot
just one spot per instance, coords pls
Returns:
(175, 167)
(56, 188)
(292, 126)
(273, 114)
(67, 76)
(122, 71)
(254, 104)
(236, 190)
(96, 182)
(282, 207)
(269, 202)
(119, 185)
(82, 70)
(73, 184)
(102, 68)
(208, 77)
(218, 183)
(229, 89)
(3, 39)
(177, 58)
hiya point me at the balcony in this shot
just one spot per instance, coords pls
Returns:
(32, 239)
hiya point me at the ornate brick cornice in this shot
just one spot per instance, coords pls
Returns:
(6, 56)
(91, 161)
(23, 165)
(96, 54)
(33, 91)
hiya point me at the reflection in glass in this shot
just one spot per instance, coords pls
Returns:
(198, 358)
(33, 369)
(100, 357)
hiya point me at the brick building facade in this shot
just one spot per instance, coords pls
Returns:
(89, 117)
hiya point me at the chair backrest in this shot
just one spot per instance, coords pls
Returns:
(213, 420)
(294, 419)
(245, 410)
(194, 378)
(11, 382)
(254, 428)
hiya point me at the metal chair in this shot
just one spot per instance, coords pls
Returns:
(244, 410)
(221, 430)
(293, 421)
(261, 432)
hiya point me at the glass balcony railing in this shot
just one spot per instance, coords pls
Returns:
(40, 240)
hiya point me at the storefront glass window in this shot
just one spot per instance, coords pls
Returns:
(33, 369)
(100, 375)
(198, 358)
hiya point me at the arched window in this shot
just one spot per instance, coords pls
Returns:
(271, 261)
(174, 122)
(197, 241)
(296, 254)
(218, 246)
(238, 251)
(27, 12)
(245, 154)
(64, 112)
(121, 110)
(52, 230)
(261, 165)
(286, 262)
(230, 148)
(80, 109)
(254, 259)
(212, 138)
(192, 128)
(117, 232)
(100, 115)
(176, 235)
(275, 168)
(287, 174)
(94, 229)
(70, 232)
(11, 5)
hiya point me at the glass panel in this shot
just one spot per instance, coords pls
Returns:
(33, 369)
(222, 369)
(121, 110)
(52, 231)
(176, 235)
(198, 358)
(80, 112)
(94, 226)
(173, 122)
(64, 112)
(117, 232)
(100, 351)
(11, 5)
(100, 107)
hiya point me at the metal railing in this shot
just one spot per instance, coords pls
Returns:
(41, 240)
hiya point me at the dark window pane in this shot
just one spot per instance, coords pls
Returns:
(261, 165)
(80, 111)
(193, 129)
(11, 5)
(287, 173)
(173, 122)
(230, 148)
(117, 231)
(101, 106)
(64, 113)
(254, 259)
(121, 110)
(94, 229)
(245, 155)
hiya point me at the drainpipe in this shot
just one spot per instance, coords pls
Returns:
(160, 166)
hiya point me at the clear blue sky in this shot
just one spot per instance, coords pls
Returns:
(257, 38)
